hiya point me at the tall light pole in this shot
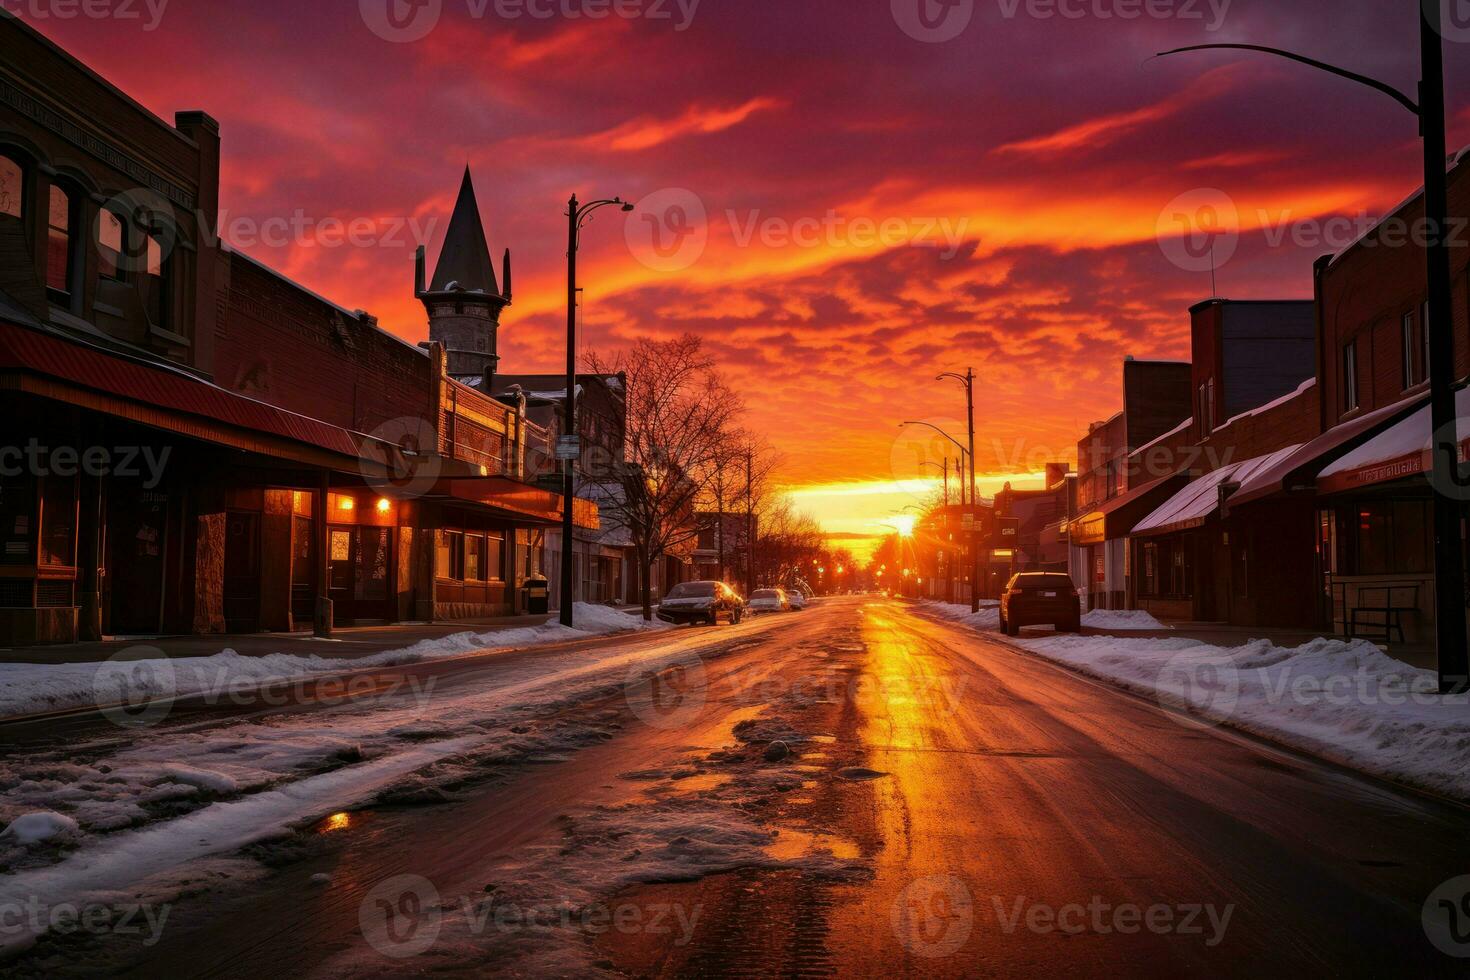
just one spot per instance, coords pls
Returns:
(963, 454)
(1449, 575)
(577, 218)
(968, 380)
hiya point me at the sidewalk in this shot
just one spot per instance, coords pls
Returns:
(346, 643)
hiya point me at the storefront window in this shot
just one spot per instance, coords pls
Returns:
(58, 522)
(474, 556)
(1390, 537)
(17, 505)
(494, 556)
(449, 553)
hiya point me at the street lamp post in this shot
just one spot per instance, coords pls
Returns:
(968, 380)
(577, 218)
(1449, 576)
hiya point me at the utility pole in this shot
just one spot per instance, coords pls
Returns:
(1453, 652)
(577, 215)
(975, 515)
(569, 415)
(749, 522)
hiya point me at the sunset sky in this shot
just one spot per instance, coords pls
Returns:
(848, 210)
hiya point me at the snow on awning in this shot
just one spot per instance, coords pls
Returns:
(1192, 506)
(1401, 450)
(1295, 472)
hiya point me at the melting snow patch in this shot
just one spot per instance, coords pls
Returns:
(1121, 619)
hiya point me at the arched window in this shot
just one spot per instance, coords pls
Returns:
(112, 243)
(12, 188)
(155, 281)
(61, 220)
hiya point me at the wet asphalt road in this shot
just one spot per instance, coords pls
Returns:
(1018, 819)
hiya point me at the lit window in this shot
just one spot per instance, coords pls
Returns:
(60, 221)
(12, 187)
(155, 284)
(111, 237)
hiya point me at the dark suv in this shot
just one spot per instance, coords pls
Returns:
(1038, 598)
(701, 602)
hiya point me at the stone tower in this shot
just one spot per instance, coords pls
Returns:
(463, 299)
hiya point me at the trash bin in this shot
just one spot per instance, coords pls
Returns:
(538, 596)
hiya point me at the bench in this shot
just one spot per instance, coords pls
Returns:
(1391, 611)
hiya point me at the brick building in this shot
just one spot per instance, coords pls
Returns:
(194, 444)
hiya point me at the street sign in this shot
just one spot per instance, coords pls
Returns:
(568, 447)
(967, 522)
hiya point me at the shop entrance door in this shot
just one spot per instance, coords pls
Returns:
(359, 559)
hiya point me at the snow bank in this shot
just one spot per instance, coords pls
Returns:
(33, 688)
(1121, 619)
(988, 618)
(1347, 702)
(33, 828)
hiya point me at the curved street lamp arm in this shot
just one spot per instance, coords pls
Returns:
(957, 377)
(937, 429)
(1353, 76)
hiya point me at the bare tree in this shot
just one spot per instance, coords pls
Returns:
(679, 433)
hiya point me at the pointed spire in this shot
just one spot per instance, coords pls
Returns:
(465, 258)
(505, 276)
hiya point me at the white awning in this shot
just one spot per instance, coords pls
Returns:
(1193, 505)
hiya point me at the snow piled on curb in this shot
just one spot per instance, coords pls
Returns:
(988, 618)
(1347, 702)
(32, 688)
(1121, 619)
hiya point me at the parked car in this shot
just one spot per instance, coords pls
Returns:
(797, 600)
(769, 601)
(1038, 599)
(701, 602)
